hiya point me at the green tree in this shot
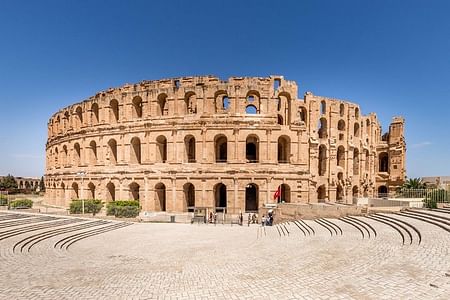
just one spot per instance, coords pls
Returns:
(42, 184)
(414, 183)
(8, 183)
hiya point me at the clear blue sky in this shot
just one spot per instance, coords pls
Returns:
(391, 57)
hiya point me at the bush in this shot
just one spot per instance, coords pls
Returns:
(22, 203)
(3, 200)
(123, 209)
(90, 206)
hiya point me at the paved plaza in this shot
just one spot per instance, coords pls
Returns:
(302, 260)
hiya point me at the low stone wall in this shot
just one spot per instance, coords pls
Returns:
(289, 211)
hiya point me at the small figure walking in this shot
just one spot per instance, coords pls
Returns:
(241, 219)
(249, 219)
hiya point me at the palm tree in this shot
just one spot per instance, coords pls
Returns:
(414, 183)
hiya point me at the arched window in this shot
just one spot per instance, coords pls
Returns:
(189, 196)
(225, 103)
(356, 113)
(161, 149)
(75, 193)
(302, 114)
(95, 113)
(58, 125)
(110, 192)
(339, 193)
(322, 128)
(77, 154)
(64, 156)
(91, 191)
(356, 130)
(251, 110)
(382, 191)
(112, 145)
(134, 191)
(221, 148)
(368, 127)
(321, 194)
(341, 110)
(137, 107)
(251, 197)
(383, 159)
(162, 105)
(323, 107)
(93, 152)
(355, 161)
(280, 120)
(79, 117)
(114, 111)
(252, 149)
(284, 152)
(355, 191)
(220, 197)
(190, 102)
(341, 157)
(189, 144)
(322, 160)
(341, 125)
(367, 156)
(160, 197)
(135, 151)
(56, 158)
(284, 194)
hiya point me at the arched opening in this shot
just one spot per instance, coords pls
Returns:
(162, 101)
(161, 149)
(221, 148)
(134, 191)
(357, 113)
(110, 192)
(190, 103)
(135, 153)
(93, 152)
(284, 193)
(280, 120)
(251, 110)
(137, 107)
(27, 185)
(225, 103)
(341, 156)
(356, 130)
(252, 149)
(339, 193)
(75, 191)
(114, 111)
(323, 107)
(220, 197)
(58, 125)
(189, 145)
(95, 113)
(66, 121)
(91, 191)
(251, 198)
(355, 191)
(284, 152)
(77, 154)
(302, 114)
(61, 193)
(160, 197)
(383, 159)
(382, 191)
(56, 157)
(355, 161)
(79, 117)
(341, 109)
(341, 125)
(322, 128)
(189, 196)
(321, 194)
(322, 168)
(367, 161)
(112, 145)
(64, 156)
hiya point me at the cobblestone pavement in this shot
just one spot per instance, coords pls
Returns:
(179, 261)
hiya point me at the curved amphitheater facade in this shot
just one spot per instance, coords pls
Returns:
(188, 142)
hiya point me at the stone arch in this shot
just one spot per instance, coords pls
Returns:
(162, 105)
(284, 149)
(284, 99)
(79, 117)
(91, 191)
(189, 196)
(161, 149)
(190, 103)
(252, 102)
(56, 157)
(110, 192)
(134, 191)
(160, 197)
(341, 110)
(112, 151)
(355, 191)
(251, 197)
(58, 124)
(322, 128)
(93, 153)
(64, 155)
(280, 120)
(285, 193)
(252, 148)
(94, 114)
(356, 113)
(221, 101)
(323, 107)
(189, 145)
(322, 167)
(135, 151)
(220, 196)
(66, 120)
(382, 191)
(341, 125)
(341, 157)
(356, 161)
(137, 107)
(114, 111)
(220, 147)
(75, 194)
(383, 159)
(321, 193)
(302, 114)
(251, 109)
(356, 129)
(77, 154)
(339, 193)
(367, 160)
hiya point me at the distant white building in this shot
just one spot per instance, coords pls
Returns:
(441, 182)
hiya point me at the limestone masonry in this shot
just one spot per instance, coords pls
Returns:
(176, 144)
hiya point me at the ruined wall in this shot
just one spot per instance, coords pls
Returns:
(199, 141)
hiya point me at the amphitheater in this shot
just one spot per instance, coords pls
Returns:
(177, 144)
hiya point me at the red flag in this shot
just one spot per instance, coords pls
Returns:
(277, 193)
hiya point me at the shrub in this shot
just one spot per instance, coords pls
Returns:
(3, 200)
(22, 203)
(123, 209)
(90, 206)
